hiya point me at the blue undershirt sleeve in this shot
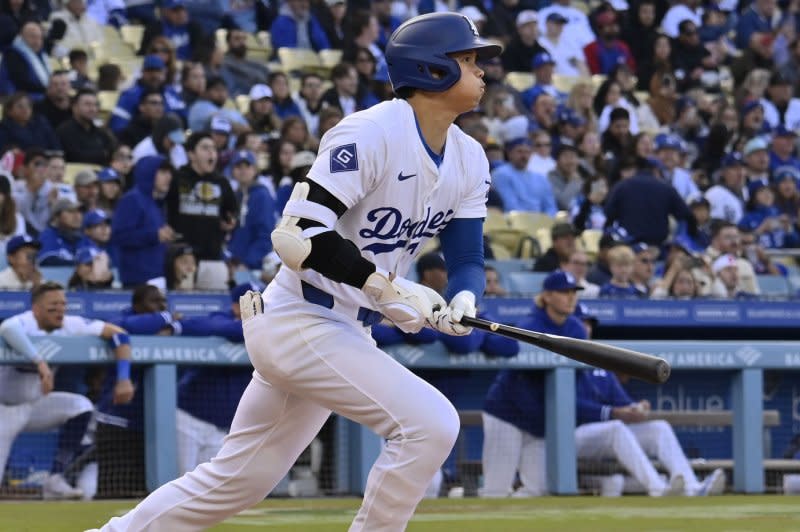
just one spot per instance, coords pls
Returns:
(462, 246)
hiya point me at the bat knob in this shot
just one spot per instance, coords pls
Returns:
(663, 371)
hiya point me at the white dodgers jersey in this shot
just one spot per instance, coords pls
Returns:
(377, 165)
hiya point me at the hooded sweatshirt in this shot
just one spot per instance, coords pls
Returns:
(134, 228)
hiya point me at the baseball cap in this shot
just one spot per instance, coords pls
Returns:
(786, 172)
(244, 156)
(668, 142)
(562, 229)
(541, 59)
(755, 144)
(20, 241)
(565, 146)
(722, 262)
(472, 13)
(639, 247)
(783, 131)
(220, 124)
(260, 91)
(302, 159)
(108, 174)
(241, 289)
(682, 103)
(749, 105)
(430, 261)
(558, 18)
(153, 62)
(560, 281)
(95, 217)
(85, 256)
(732, 159)
(777, 78)
(62, 205)
(172, 4)
(527, 16)
(754, 186)
(177, 136)
(519, 141)
(85, 177)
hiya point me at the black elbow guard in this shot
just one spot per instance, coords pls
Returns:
(338, 259)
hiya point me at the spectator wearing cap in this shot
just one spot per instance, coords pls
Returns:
(756, 159)
(150, 111)
(524, 44)
(787, 196)
(21, 273)
(25, 65)
(261, 114)
(567, 54)
(60, 239)
(297, 27)
(309, 101)
(542, 67)
(578, 29)
(97, 236)
(213, 104)
(565, 179)
(240, 72)
(220, 129)
(727, 284)
(726, 239)
(727, 196)
(608, 50)
(181, 267)
(139, 230)
(175, 24)
(643, 204)
(84, 276)
(701, 210)
(562, 238)
(621, 263)
(689, 56)
(81, 139)
(33, 197)
(21, 128)
(110, 189)
(282, 100)
(782, 149)
(773, 229)
(250, 241)
(520, 189)
(670, 151)
(80, 27)
(154, 76)
(432, 271)
(542, 107)
(752, 119)
(87, 190)
(513, 412)
(167, 139)
(781, 108)
(208, 396)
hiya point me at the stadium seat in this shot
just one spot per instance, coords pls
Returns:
(298, 59)
(511, 239)
(330, 58)
(520, 80)
(71, 170)
(243, 103)
(107, 100)
(526, 282)
(591, 241)
(543, 237)
(132, 35)
(495, 219)
(530, 222)
(565, 83)
(59, 274)
(598, 80)
(773, 285)
(499, 252)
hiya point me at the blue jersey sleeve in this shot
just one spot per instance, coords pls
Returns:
(462, 246)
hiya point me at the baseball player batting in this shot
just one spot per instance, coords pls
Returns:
(385, 181)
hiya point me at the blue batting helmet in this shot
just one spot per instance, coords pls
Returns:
(420, 46)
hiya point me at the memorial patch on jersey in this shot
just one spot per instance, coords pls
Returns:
(344, 158)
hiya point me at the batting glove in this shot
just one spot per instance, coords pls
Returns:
(447, 319)
(251, 304)
(407, 304)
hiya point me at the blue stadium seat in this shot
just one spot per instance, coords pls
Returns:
(773, 285)
(59, 274)
(526, 282)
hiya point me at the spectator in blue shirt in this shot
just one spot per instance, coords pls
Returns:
(520, 188)
(97, 234)
(782, 149)
(60, 239)
(621, 262)
(138, 229)
(282, 100)
(251, 237)
(175, 24)
(212, 104)
(513, 417)
(773, 229)
(755, 23)
(22, 128)
(285, 29)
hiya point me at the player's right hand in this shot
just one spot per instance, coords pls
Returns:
(407, 304)
(46, 376)
(123, 392)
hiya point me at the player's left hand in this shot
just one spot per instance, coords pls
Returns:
(447, 320)
(123, 392)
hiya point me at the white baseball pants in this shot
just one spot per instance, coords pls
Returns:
(310, 361)
(45, 413)
(631, 445)
(506, 451)
(198, 441)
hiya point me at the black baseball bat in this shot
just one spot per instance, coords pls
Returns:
(645, 367)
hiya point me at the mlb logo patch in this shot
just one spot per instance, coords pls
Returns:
(344, 158)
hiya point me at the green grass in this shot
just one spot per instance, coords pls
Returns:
(773, 513)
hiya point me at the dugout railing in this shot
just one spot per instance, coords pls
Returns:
(356, 448)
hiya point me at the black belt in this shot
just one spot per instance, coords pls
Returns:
(314, 295)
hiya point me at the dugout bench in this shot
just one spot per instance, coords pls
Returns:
(469, 471)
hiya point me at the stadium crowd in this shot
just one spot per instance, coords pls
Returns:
(653, 145)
